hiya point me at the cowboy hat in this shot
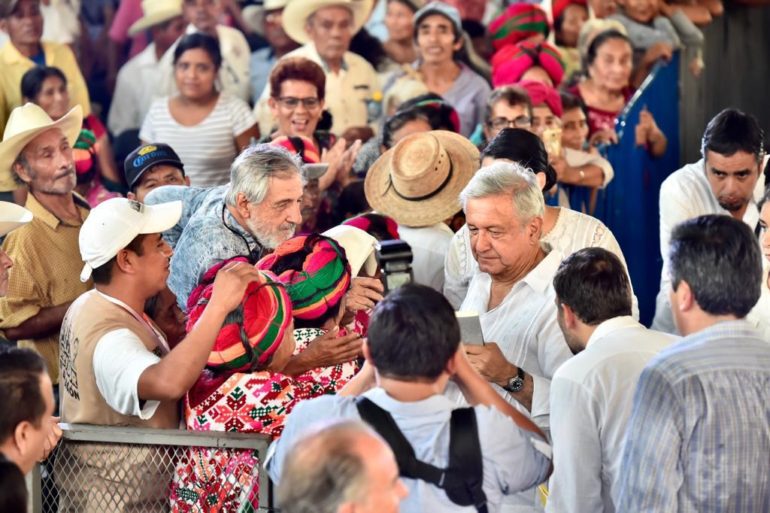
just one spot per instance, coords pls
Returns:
(418, 181)
(12, 216)
(154, 12)
(297, 12)
(24, 124)
(254, 15)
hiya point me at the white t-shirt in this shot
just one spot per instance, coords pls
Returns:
(206, 149)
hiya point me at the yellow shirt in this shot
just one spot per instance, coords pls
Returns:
(14, 65)
(45, 273)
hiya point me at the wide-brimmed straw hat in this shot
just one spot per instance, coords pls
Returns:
(12, 216)
(418, 181)
(297, 12)
(155, 12)
(26, 123)
(254, 15)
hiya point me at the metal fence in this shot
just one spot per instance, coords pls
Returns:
(116, 469)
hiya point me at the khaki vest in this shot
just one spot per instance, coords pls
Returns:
(89, 318)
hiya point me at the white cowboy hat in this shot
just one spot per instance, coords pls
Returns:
(254, 15)
(154, 12)
(418, 181)
(12, 216)
(297, 12)
(24, 124)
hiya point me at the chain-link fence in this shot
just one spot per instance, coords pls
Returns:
(98, 469)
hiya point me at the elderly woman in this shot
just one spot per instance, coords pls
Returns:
(46, 86)
(444, 66)
(208, 129)
(606, 88)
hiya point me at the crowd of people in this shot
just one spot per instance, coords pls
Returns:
(199, 200)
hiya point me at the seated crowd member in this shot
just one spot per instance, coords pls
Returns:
(412, 351)
(206, 127)
(325, 29)
(563, 229)
(37, 152)
(591, 393)
(94, 161)
(724, 181)
(417, 183)
(700, 409)
(339, 467)
(117, 368)
(24, 50)
(151, 166)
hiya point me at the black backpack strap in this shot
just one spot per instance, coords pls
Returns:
(465, 460)
(408, 464)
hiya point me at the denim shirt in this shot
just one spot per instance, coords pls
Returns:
(206, 234)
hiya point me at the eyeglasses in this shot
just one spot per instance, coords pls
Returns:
(291, 102)
(519, 122)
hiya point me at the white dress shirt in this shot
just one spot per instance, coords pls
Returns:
(429, 247)
(684, 195)
(591, 398)
(134, 91)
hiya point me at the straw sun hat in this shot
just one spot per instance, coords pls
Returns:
(155, 12)
(418, 181)
(297, 12)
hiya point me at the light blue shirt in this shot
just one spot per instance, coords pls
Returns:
(699, 435)
(262, 62)
(513, 459)
(205, 235)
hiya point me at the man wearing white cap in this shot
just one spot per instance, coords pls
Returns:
(37, 152)
(137, 79)
(117, 369)
(325, 28)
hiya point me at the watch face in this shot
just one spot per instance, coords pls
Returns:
(515, 384)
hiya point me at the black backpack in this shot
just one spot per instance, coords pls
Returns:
(462, 480)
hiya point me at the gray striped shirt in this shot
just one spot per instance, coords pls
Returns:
(699, 435)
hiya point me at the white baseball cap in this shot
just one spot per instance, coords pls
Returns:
(113, 224)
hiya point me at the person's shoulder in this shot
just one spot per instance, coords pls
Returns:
(688, 175)
(233, 104)
(322, 407)
(57, 49)
(233, 35)
(355, 61)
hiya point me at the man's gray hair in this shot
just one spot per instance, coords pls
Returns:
(251, 171)
(507, 178)
(325, 469)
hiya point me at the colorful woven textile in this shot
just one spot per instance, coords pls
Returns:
(209, 480)
(512, 61)
(518, 22)
(322, 280)
(252, 332)
(375, 224)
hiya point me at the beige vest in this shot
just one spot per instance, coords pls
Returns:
(89, 318)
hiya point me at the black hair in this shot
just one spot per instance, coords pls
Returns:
(436, 108)
(732, 131)
(413, 333)
(570, 101)
(21, 397)
(523, 147)
(598, 41)
(32, 81)
(559, 21)
(13, 488)
(352, 201)
(205, 42)
(474, 28)
(378, 226)
(719, 258)
(295, 261)
(398, 120)
(594, 283)
(102, 275)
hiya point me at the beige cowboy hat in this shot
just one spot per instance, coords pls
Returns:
(297, 12)
(26, 123)
(154, 12)
(12, 216)
(254, 15)
(418, 181)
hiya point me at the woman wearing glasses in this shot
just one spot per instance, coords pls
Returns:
(206, 127)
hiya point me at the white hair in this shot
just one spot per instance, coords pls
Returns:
(510, 179)
(251, 171)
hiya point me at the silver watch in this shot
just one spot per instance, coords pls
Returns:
(516, 383)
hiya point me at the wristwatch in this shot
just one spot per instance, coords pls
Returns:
(516, 383)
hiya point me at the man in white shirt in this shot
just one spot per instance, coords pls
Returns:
(725, 181)
(325, 28)
(416, 183)
(592, 393)
(137, 79)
